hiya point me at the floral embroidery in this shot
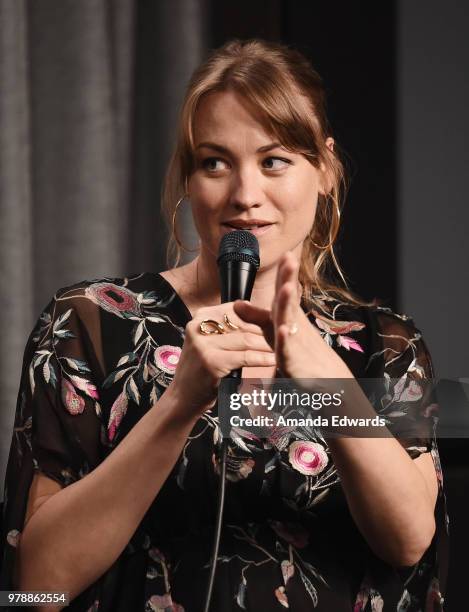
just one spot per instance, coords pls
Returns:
(282, 596)
(308, 457)
(332, 328)
(237, 468)
(116, 300)
(118, 410)
(433, 595)
(73, 371)
(13, 537)
(288, 570)
(73, 402)
(167, 357)
(162, 603)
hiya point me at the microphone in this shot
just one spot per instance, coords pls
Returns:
(238, 262)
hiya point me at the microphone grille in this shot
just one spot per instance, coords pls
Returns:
(239, 245)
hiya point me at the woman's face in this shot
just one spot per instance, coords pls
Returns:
(241, 179)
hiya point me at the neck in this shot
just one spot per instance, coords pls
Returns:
(206, 291)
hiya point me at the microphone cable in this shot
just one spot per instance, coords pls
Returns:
(238, 262)
(219, 522)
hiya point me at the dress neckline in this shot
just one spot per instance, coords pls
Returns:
(185, 309)
(176, 297)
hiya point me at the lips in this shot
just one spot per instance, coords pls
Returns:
(247, 223)
(257, 230)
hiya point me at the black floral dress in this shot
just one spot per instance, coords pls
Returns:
(102, 352)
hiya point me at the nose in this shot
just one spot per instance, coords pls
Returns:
(246, 189)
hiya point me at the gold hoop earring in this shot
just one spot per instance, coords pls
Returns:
(327, 246)
(173, 227)
(319, 246)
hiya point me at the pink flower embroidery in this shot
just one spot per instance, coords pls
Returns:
(118, 410)
(434, 595)
(282, 596)
(349, 343)
(73, 402)
(309, 458)
(167, 357)
(331, 327)
(363, 596)
(85, 385)
(163, 603)
(114, 299)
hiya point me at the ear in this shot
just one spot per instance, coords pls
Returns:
(325, 185)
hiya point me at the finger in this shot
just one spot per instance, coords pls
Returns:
(288, 299)
(279, 277)
(249, 359)
(283, 333)
(290, 269)
(285, 305)
(240, 341)
(252, 314)
(217, 313)
(261, 316)
(278, 284)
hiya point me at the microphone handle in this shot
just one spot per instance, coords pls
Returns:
(236, 283)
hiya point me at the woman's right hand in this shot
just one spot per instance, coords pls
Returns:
(206, 359)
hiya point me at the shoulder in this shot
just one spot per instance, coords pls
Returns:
(387, 339)
(399, 343)
(128, 298)
(121, 296)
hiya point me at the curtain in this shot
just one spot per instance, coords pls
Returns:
(89, 94)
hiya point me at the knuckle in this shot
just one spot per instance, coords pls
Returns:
(192, 326)
(192, 335)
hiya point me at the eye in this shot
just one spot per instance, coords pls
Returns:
(285, 162)
(211, 160)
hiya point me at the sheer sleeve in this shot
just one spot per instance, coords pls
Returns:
(407, 375)
(400, 359)
(57, 427)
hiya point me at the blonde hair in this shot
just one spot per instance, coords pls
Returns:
(279, 84)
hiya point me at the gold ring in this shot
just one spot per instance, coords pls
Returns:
(228, 322)
(293, 329)
(210, 326)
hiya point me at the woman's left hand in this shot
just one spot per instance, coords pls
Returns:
(301, 353)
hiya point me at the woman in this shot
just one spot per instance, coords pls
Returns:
(113, 472)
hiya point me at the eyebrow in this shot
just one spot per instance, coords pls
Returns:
(221, 149)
